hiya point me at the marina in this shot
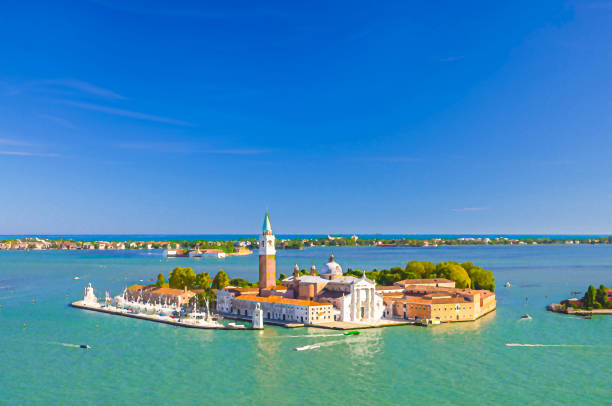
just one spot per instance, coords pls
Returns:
(160, 313)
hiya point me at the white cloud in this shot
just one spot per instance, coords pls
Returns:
(84, 87)
(127, 113)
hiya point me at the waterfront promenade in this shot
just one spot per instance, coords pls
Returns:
(186, 322)
(333, 325)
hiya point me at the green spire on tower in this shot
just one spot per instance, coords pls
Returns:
(266, 224)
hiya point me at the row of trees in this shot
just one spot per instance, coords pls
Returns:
(186, 277)
(465, 275)
(596, 298)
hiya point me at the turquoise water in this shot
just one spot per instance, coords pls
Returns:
(139, 362)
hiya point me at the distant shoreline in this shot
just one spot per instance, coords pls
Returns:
(237, 245)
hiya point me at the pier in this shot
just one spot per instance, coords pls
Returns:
(186, 322)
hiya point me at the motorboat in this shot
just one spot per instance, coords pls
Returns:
(351, 333)
(235, 326)
(507, 284)
(85, 346)
(526, 316)
(76, 278)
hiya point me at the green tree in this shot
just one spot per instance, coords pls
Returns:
(416, 268)
(590, 296)
(221, 280)
(181, 278)
(207, 294)
(239, 282)
(602, 296)
(454, 272)
(160, 280)
(203, 280)
(481, 278)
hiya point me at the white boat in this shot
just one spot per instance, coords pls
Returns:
(76, 278)
(308, 347)
(507, 284)
(526, 316)
(235, 326)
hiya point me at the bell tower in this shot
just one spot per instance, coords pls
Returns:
(267, 257)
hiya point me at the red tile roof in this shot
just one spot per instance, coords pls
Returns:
(279, 299)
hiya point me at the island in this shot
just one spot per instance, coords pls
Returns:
(421, 293)
(594, 301)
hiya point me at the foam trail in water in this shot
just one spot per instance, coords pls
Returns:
(544, 345)
(334, 342)
(312, 335)
(67, 345)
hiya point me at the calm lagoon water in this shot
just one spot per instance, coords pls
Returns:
(139, 362)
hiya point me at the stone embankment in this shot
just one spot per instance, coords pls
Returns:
(188, 323)
(559, 308)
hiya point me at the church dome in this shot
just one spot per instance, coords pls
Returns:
(332, 267)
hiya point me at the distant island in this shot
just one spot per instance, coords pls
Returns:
(242, 246)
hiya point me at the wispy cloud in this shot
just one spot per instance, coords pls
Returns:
(26, 153)
(469, 209)
(156, 146)
(126, 113)
(13, 142)
(185, 147)
(59, 120)
(65, 86)
(84, 87)
(451, 58)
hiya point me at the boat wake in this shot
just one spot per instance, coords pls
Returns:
(332, 342)
(70, 345)
(313, 335)
(544, 345)
(318, 345)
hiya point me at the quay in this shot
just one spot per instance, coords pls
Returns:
(332, 325)
(189, 323)
(560, 308)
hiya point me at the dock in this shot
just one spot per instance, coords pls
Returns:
(332, 325)
(188, 323)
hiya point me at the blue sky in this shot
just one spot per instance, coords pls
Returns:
(391, 117)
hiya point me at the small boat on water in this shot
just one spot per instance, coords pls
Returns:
(76, 278)
(507, 284)
(235, 326)
(526, 316)
(351, 333)
(85, 346)
(308, 347)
